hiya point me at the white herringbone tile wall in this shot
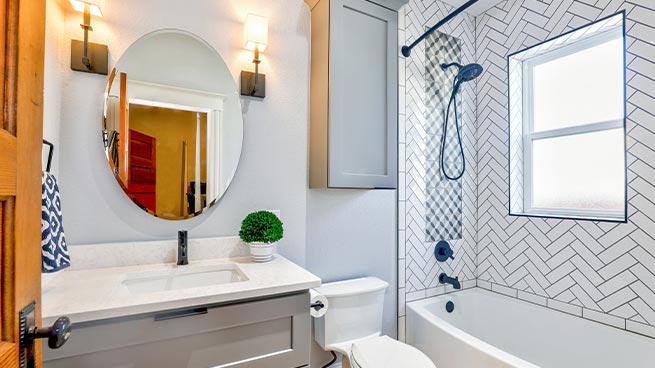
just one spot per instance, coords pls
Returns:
(579, 267)
(419, 270)
(603, 267)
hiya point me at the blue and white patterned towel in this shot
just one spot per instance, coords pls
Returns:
(53, 241)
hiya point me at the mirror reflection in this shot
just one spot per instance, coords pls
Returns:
(172, 125)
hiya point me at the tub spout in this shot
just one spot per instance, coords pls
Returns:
(445, 279)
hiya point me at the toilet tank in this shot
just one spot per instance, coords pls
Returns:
(354, 311)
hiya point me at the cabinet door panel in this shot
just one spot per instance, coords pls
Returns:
(259, 334)
(363, 95)
(253, 345)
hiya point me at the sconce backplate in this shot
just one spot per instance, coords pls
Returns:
(248, 82)
(98, 56)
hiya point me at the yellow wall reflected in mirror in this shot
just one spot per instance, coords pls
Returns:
(173, 170)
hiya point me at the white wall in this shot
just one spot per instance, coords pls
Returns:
(55, 56)
(419, 173)
(336, 234)
(272, 172)
(352, 234)
(601, 271)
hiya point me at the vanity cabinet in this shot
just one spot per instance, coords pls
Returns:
(270, 333)
(354, 94)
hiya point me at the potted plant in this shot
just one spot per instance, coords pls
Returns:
(261, 230)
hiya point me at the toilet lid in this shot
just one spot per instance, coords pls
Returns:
(385, 352)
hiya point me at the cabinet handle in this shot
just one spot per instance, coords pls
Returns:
(180, 314)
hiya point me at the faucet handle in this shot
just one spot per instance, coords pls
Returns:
(443, 251)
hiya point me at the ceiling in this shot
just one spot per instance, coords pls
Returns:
(479, 8)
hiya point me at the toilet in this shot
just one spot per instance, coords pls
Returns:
(352, 327)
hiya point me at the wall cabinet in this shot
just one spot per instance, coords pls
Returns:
(354, 94)
(259, 334)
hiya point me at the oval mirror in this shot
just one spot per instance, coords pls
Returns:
(172, 125)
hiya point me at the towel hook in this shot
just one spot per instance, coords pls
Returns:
(51, 148)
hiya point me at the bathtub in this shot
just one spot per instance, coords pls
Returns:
(488, 330)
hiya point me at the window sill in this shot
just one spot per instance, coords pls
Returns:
(562, 216)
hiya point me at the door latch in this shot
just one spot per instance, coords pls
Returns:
(57, 335)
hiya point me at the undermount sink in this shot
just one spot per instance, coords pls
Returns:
(185, 277)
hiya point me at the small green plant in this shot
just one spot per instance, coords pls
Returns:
(261, 226)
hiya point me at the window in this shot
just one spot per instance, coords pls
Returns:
(567, 125)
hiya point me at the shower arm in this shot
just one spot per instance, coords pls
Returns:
(407, 50)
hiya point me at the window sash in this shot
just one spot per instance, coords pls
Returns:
(528, 173)
(593, 41)
(529, 136)
(575, 130)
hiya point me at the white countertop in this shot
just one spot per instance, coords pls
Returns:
(95, 294)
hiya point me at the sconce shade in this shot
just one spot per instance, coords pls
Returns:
(96, 6)
(256, 32)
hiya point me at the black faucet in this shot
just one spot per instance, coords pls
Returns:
(445, 279)
(182, 248)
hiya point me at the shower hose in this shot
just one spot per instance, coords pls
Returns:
(442, 158)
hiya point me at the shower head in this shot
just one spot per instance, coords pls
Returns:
(469, 72)
(466, 73)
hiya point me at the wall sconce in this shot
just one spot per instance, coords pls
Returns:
(254, 84)
(85, 56)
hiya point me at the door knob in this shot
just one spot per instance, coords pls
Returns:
(57, 335)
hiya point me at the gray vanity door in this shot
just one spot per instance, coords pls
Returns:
(363, 130)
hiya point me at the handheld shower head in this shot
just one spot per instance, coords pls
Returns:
(466, 73)
(469, 72)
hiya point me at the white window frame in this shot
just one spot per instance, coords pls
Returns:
(529, 136)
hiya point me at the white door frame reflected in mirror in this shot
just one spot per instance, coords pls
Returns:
(172, 86)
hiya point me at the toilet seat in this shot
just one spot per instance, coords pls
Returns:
(385, 352)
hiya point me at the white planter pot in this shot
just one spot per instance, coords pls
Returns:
(262, 252)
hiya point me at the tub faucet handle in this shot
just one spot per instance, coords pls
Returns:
(443, 251)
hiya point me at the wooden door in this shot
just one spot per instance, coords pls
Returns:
(123, 131)
(22, 32)
(142, 180)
